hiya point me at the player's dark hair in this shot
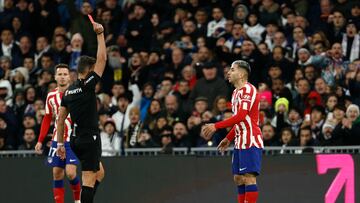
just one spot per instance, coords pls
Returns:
(61, 65)
(243, 65)
(85, 62)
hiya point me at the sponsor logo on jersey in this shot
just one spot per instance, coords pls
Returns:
(74, 91)
(246, 97)
(88, 80)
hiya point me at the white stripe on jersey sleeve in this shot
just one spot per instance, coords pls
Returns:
(68, 126)
(47, 105)
(58, 99)
(247, 88)
(243, 135)
(253, 97)
(245, 105)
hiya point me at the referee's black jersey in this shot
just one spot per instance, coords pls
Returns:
(80, 100)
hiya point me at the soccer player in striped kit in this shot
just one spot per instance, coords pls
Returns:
(53, 101)
(245, 130)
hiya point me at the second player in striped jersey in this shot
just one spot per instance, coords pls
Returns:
(246, 162)
(53, 101)
(59, 166)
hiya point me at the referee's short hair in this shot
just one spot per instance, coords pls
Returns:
(85, 62)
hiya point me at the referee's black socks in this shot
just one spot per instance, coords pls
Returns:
(97, 183)
(87, 194)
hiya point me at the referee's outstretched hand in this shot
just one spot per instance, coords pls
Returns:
(98, 28)
(61, 152)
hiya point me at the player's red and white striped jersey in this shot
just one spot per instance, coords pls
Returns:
(53, 101)
(248, 132)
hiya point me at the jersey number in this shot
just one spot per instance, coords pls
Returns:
(52, 151)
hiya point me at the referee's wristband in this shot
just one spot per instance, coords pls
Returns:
(60, 144)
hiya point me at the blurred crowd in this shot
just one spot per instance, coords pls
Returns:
(167, 68)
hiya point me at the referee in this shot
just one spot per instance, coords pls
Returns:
(80, 101)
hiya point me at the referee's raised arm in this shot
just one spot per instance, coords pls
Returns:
(101, 50)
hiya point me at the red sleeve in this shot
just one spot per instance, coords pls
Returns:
(45, 125)
(230, 122)
(231, 135)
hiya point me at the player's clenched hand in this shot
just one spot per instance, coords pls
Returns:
(223, 145)
(38, 147)
(209, 129)
(61, 152)
(98, 28)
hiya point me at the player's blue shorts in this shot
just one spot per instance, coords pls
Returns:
(246, 161)
(54, 161)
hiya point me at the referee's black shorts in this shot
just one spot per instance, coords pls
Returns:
(87, 148)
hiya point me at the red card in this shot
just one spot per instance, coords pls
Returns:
(91, 19)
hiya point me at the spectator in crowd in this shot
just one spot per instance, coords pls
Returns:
(313, 99)
(153, 113)
(336, 65)
(9, 47)
(80, 24)
(281, 114)
(29, 139)
(59, 45)
(76, 45)
(131, 135)
(219, 108)
(331, 102)
(327, 137)
(295, 120)
(216, 26)
(172, 110)
(253, 28)
(321, 87)
(147, 96)
(287, 137)
(306, 139)
(42, 46)
(110, 139)
(303, 87)
(166, 88)
(137, 33)
(166, 140)
(269, 136)
(181, 137)
(174, 56)
(183, 94)
(336, 26)
(121, 117)
(351, 41)
(210, 85)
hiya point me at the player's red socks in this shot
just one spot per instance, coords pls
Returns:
(75, 187)
(251, 193)
(241, 193)
(58, 189)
